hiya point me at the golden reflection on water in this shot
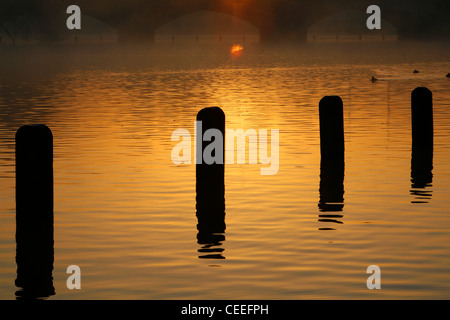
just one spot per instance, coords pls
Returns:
(126, 214)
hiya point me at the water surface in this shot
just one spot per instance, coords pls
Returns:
(126, 214)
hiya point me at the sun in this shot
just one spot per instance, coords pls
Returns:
(236, 50)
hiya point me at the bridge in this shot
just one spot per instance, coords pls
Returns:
(137, 20)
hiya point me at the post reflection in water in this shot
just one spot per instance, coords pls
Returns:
(210, 187)
(331, 191)
(421, 174)
(34, 257)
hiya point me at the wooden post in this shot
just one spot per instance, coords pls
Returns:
(422, 117)
(210, 186)
(332, 146)
(422, 141)
(331, 117)
(34, 210)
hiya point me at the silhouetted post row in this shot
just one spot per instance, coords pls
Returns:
(34, 210)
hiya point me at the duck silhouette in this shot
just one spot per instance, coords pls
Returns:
(373, 79)
(415, 71)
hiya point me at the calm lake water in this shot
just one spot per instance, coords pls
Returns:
(126, 214)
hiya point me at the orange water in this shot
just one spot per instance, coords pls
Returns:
(125, 213)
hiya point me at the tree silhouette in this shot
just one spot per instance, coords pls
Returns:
(17, 17)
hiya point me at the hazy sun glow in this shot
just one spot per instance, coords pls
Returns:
(236, 49)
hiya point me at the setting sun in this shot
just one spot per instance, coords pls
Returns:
(236, 50)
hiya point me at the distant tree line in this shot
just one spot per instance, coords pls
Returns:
(19, 18)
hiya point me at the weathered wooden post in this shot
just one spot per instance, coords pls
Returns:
(422, 140)
(422, 117)
(331, 117)
(34, 210)
(210, 180)
(332, 151)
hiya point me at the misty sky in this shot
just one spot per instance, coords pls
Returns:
(419, 18)
(213, 23)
